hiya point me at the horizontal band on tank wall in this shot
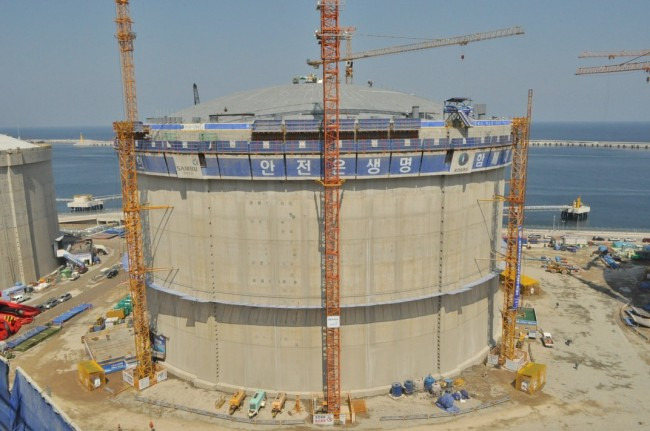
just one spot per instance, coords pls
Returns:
(187, 297)
(316, 146)
(309, 167)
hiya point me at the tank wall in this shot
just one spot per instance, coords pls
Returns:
(28, 218)
(258, 242)
(231, 346)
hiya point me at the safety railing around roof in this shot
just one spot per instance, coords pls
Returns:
(313, 146)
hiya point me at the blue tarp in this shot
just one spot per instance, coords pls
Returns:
(5, 412)
(23, 337)
(25, 408)
(446, 402)
(58, 320)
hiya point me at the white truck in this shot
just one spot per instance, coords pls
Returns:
(547, 339)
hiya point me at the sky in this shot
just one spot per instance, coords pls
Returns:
(60, 60)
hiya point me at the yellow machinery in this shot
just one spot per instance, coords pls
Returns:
(236, 401)
(278, 403)
(91, 375)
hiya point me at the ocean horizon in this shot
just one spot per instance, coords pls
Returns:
(610, 181)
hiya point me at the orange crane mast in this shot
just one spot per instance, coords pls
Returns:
(516, 200)
(329, 38)
(126, 133)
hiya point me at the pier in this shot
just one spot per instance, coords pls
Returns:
(591, 144)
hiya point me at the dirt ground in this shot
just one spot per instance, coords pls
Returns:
(598, 380)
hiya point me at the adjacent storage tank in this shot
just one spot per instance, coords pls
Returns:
(242, 303)
(28, 217)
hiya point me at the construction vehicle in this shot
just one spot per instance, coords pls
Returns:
(256, 403)
(236, 401)
(13, 316)
(278, 404)
(555, 268)
(547, 339)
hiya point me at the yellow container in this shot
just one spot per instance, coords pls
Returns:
(531, 377)
(91, 375)
(119, 313)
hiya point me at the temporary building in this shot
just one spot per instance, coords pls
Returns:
(531, 377)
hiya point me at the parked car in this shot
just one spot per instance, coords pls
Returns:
(51, 303)
(41, 307)
(629, 240)
(598, 238)
(112, 273)
(65, 297)
(75, 275)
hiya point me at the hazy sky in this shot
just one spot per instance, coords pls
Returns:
(60, 61)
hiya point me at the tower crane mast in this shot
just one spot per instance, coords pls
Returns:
(329, 38)
(126, 132)
(516, 200)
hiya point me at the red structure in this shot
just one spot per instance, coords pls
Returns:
(13, 316)
(329, 36)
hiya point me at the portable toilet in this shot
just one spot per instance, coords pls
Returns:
(91, 375)
(531, 377)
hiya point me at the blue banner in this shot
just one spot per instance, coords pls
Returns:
(373, 166)
(211, 167)
(405, 164)
(481, 159)
(301, 167)
(433, 164)
(269, 167)
(235, 167)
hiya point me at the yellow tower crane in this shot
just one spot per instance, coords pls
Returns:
(627, 66)
(126, 132)
(346, 33)
(516, 201)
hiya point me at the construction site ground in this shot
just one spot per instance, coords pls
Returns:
(597, 380)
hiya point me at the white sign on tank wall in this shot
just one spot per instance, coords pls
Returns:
(187, 166)
(462, 161)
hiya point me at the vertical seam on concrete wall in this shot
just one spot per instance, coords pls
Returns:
(19, 252)
(440, 273)
(496, 226)
(214, 287)
(5, 229)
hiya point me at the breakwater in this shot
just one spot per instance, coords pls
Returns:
(591, 144)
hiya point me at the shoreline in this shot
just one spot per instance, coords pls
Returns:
(589, 233)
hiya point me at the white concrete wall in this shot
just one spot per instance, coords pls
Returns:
(246, 252)
(28, 217)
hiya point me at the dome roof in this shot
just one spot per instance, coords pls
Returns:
(305, 101)
(9, 143)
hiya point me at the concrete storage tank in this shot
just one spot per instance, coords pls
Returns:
(242, 303)
(28, 217)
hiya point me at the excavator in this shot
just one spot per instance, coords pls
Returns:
(13, 316)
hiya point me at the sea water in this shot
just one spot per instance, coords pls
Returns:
(614, 183)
